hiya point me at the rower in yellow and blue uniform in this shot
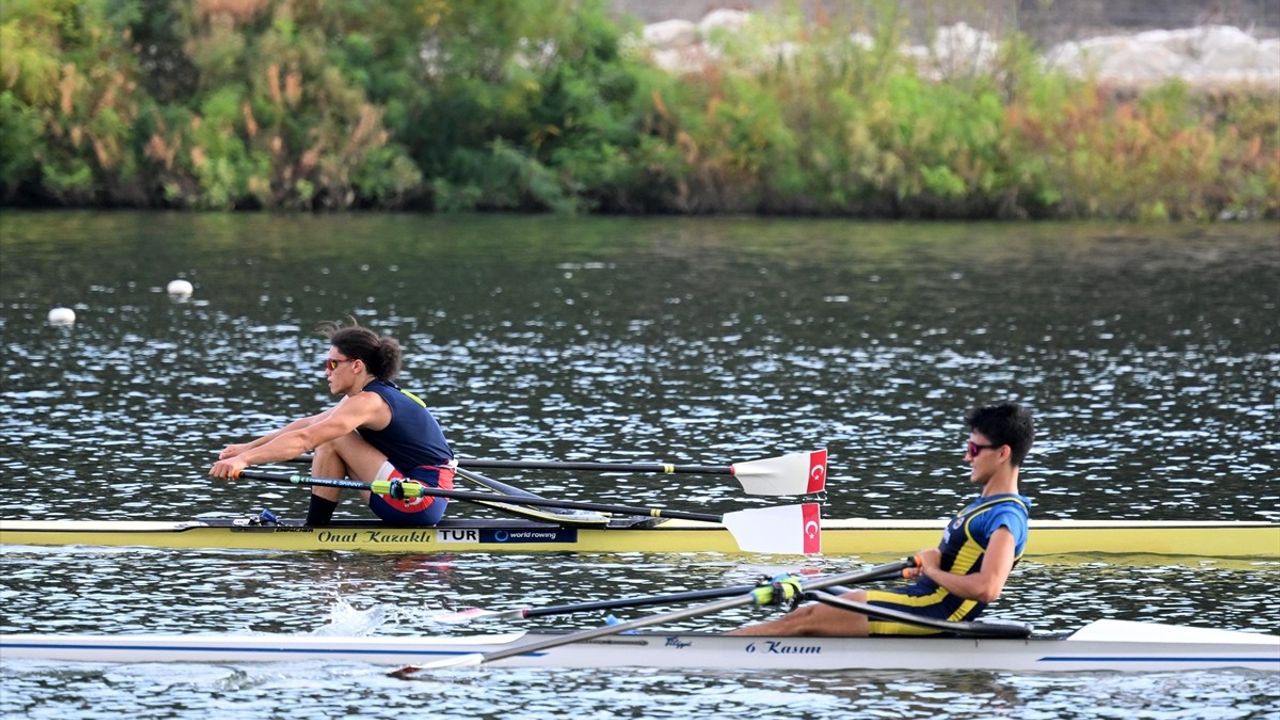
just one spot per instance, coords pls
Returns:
(980, 546)
(961, 551)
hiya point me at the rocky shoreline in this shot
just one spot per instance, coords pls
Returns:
(1207, 57)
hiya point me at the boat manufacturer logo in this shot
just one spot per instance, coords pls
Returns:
(675, 642)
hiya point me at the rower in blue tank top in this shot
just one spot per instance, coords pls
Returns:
(969, 568)
(415, 448)
(376, 432)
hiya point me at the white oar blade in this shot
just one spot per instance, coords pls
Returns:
(793, 474)
(784, 530)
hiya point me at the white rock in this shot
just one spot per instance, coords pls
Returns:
(62, 316)
(1216, 37)
(670, 34)
(1246, 54)
(1085, 56)
(683, 61)
(1140, 62)
(726, 19)
(784, 52)
(1181, 41)
(960, 47)
(862, 40)
(179, 288)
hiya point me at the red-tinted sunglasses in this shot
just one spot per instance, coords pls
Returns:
(972, 448)
(330, 364)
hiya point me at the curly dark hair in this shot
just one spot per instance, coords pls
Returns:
(1005, 423)
(380, 353)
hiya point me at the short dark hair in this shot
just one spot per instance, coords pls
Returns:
(379, 353)
(1005, 423)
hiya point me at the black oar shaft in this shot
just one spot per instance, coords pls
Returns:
(485, 497)
(304, 480)
(591, 466)
(595, 466)
(495, 485)
(640, 601)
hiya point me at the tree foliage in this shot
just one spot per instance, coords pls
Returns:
(553, 105)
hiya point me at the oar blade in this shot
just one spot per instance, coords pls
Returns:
(793, 474)
(466, 660)
(782, 530)
(473, 614)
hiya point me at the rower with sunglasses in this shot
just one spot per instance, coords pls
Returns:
(376, 432)
(969, 567)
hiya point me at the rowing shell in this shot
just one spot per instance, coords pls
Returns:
(840, 537)
(1114, 645)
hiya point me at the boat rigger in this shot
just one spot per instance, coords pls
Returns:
(863, 537)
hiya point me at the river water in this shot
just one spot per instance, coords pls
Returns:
(1149, 354)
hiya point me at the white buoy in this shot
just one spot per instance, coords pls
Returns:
(62, 316)
(179, 288)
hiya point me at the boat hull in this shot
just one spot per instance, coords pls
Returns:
(839, 537)
(1157, 648)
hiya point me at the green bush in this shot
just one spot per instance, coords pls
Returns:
(548, 105)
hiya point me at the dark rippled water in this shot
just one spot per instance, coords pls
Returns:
(1149, 355)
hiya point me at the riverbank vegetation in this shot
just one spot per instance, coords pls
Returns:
(554, 105)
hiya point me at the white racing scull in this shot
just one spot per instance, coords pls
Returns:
(1102, 645)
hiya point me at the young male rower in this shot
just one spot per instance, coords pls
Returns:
(979, 547)
(376, 432)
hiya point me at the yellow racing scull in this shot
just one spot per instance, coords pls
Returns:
(863, 537)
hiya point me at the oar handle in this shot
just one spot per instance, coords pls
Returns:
(395, 488)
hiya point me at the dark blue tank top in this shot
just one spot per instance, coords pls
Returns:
(413, 441)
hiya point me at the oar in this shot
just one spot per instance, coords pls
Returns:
(394, 488)
(488, 482)
(401, 490)
(874, 573)
(801, 473)
(786, 529)
(794, 474)
(576, 517)
(523, 613)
